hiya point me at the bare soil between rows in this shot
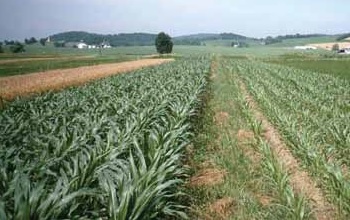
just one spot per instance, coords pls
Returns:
(22, 85)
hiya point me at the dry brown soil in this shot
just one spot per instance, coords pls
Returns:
(20, 85)
(328, 46)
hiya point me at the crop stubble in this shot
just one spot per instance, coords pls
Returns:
(13, 86)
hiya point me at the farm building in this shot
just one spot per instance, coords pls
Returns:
(305, 48)
(81, 45)
(106, 45)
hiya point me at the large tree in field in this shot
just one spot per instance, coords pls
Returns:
(164, 43)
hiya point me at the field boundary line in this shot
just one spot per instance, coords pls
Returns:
(33, 83)
(17, 60)
(299, 179)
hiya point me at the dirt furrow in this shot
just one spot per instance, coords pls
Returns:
(299, 179)
(13, 86)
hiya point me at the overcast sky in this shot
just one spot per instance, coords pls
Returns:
(255, 18)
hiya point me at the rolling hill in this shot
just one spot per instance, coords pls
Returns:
(203, 39)
(141, 39)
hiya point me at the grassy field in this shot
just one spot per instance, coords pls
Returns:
(23, 67)
(71, 57)
(336, 67)
(62, 58)
(304, 41)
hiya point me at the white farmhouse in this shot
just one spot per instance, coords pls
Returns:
(81, 45)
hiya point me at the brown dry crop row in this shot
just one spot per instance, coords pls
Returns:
(13, 86)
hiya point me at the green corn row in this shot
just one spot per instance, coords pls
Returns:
(312, 112)
(112, 149)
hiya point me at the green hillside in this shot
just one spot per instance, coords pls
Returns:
(303, 41)
(132, 39)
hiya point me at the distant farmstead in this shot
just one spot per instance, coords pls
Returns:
(305, 48)
(82, 45)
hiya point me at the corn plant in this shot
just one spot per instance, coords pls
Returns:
(112, 149)
(296, 205)
(311, 111)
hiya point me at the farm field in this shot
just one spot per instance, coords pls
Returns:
(219, 133)
(112, 149)
(13, 86)
(276, 142)
(304, 41)
(38, 58)
(338, 67)
(329, 45)
(10, 67)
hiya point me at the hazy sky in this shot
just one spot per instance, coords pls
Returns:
(255, 18)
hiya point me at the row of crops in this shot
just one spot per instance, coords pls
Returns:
(312, 111)
(112, 149)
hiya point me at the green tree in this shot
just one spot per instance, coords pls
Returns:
(17, 47)
(164, 43)
(9, 42)
(59, 44)
(1, 50)
(42, 41)
(32, 40)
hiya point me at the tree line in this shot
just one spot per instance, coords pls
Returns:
(272, 40)
(134, 39)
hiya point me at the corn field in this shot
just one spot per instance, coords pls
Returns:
(312, 111)
(112, 149)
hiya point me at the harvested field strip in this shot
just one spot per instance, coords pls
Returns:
(13, 86)
(328, 46)
(299, 179)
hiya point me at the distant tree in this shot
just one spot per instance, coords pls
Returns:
(335, 47)
(9, 42)
(1, 50)
(271, 40)
(164, 43)
(32, 40)
(42, 41)
(59, 44)
(17, 47)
